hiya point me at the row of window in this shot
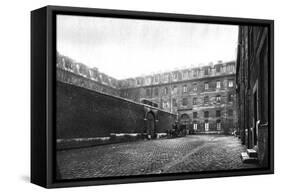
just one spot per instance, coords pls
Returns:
(185, 75)
(218, 113)
(207, 86)
(207, 71)
(185, 89)
(206, 125)
(230, 98)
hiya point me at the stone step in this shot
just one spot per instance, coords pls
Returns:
(247, 159)
(252, 153)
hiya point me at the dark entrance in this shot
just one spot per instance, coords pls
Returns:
(151, 126)
(184, 119)
(255, 117)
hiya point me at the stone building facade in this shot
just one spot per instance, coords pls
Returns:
(204, 97)
(253, 89)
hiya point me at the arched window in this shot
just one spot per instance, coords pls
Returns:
(184, 117)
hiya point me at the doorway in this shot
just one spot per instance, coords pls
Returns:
(255, 117)
(151, 126)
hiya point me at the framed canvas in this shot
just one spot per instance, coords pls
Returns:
(128, 96)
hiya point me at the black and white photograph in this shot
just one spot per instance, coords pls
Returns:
(162, 96)
(146, 97)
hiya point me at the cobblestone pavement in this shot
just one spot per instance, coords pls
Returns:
(185, 154)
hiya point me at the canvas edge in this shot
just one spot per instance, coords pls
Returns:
(50, 89)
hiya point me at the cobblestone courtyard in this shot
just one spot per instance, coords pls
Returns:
(186, 154)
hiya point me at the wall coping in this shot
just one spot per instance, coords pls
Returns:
(117, 97)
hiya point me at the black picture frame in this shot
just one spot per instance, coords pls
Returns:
(43, 94)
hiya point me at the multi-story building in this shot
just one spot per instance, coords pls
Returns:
(204, 97)
(87, 99)
(72, 72)
(252, 89)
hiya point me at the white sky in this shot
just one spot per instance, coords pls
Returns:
(125, 48)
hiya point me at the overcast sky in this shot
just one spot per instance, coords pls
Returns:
(125, 48)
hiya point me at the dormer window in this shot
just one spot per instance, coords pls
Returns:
(148, 81)
(218, 68)
(175, 76)
(195, 73)
(230, 68)
(206, 71)
(156, 79)
(138, 82)
(166, 78)
(185, 75)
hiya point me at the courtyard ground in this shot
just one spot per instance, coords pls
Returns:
(186, 154)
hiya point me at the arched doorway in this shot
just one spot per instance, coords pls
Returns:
(151, 125)
(184, 120)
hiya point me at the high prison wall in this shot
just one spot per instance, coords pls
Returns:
(85, 117)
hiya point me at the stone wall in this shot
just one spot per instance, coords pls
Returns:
(89, 116)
